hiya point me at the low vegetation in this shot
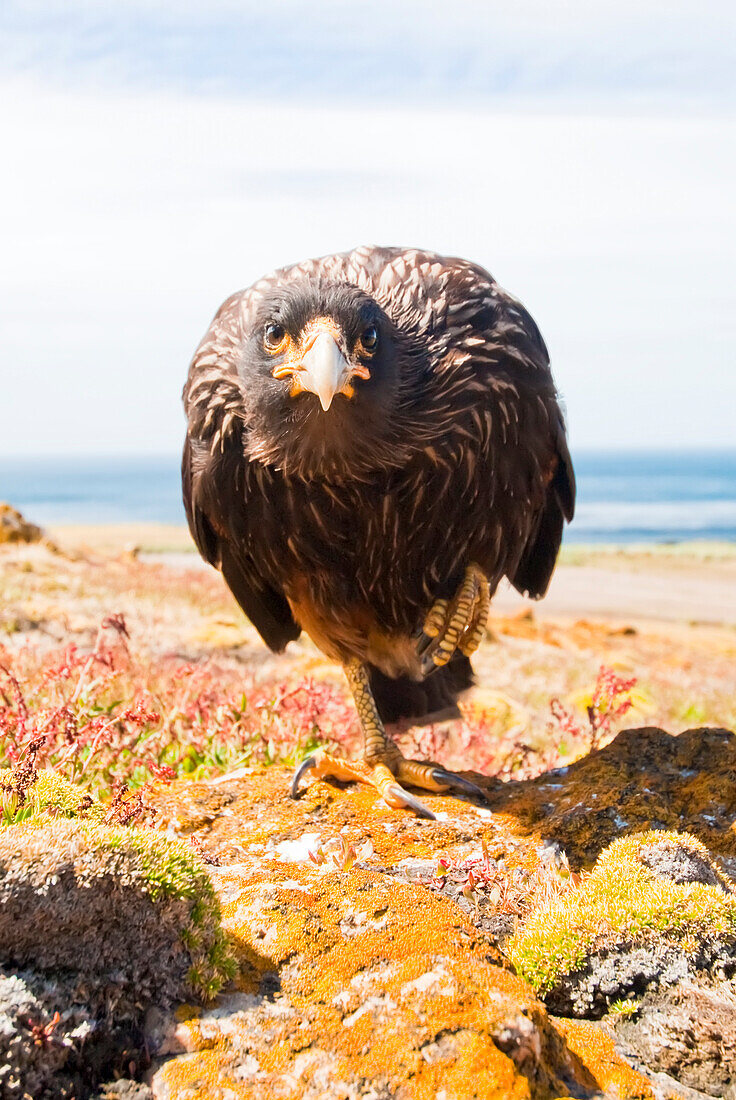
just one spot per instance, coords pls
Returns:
(110, 721)
(173, 683)
(45, 865)
(621, 900)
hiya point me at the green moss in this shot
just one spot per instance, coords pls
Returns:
(50, 796)
(622, 1009)
(171, 869)
(143, 861)
(621, 900)
(161, 867)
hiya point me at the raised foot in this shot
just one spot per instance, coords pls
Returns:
(456, 624)
(388, 781)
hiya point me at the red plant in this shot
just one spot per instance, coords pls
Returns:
(43, 1034)
(204, 854)
(489, 884)
(114, 721)
(611, 700)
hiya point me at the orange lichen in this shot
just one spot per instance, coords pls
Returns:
(387, 981)
(642, 778)
(596, 1049)
(259, 811)
(382, 980)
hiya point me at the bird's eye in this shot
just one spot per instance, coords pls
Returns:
(274, 337)
(369, 340)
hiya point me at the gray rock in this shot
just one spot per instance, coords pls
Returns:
(678, 864)
(124, 1089)
(28, 1060)
(687, 1034)
(55, 1046)
(627, 970)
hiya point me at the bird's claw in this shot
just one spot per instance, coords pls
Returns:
(422, 642)
(458, 783)
(389, 786)
(405, 799)
(306, 765)
(456, 624)
(392, 793)
(427, 663)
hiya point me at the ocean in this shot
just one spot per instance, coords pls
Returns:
(622, 497)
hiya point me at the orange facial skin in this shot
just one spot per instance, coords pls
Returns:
(292, 364)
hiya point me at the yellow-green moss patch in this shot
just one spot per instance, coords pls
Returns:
(50, 795)
(621, 900)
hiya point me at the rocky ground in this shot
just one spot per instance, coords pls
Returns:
(374, 948)
(510, 949)
(573, 936)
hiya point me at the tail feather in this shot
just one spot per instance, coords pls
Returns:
(429, 700)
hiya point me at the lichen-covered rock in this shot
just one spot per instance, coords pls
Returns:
(224, 1053)
(131, 911)
(371, 944)
(364, 987)
(688, 1034)
(15, 528)
(124, 1089)
(373, 947)
(654, 911)
(644, 779)
(360, 975)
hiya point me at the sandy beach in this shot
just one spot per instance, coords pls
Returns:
(686, 582)
(690, 592)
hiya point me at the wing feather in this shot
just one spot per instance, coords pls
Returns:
(204, 482)
(526, 456)
(539, 556)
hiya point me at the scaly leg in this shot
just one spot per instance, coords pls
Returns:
(383, 765)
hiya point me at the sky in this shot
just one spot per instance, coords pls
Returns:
(158, 156)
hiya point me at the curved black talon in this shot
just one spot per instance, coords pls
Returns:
(426, 648)
(307, 763)
(457, 783)
(427, 664)
(411, 802)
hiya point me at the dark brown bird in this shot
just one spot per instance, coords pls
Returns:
(374, 440)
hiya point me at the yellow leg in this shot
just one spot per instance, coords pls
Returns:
(455, 624)
(383, 765)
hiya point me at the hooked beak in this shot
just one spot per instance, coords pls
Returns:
(324, 370)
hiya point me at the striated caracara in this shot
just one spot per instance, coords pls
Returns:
(374, 440)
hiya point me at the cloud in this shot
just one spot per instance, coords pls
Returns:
(131, 214)
(416, 52)
(159, 154)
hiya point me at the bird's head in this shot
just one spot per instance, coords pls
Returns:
(321, 372)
